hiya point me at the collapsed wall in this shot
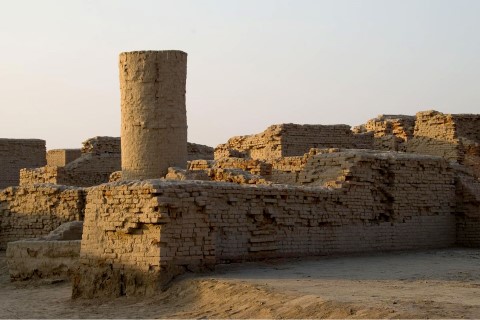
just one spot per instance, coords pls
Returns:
(16, 154)
(33, 211)
(390, 132)
(137, 235)
(286, 140)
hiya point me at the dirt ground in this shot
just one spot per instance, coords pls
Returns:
(427, 284)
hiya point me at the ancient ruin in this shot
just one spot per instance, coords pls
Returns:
(396, 182)
(154, 116)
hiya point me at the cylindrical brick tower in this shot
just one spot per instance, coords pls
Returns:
(154, 116)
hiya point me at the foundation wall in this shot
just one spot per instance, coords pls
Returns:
(42, 259)
(390, 132)
(16, 154)
(34, 211)
(137, 235)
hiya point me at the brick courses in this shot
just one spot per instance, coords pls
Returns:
(33, 211)
(16, 154)
(61, 157)
(138, 234)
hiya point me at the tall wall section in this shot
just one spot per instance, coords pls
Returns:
(33, 211)
(137, 235)
(16, 154)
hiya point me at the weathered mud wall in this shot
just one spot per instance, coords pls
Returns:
(61, 157)
(286, 140)
(16, 154)
(137, 235)
(33, 211)
(468, 210)
(390, 132)
(100, 157)
(30, 259)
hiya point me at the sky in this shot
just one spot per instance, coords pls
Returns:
(251, 63)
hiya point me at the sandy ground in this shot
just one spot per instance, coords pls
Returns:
(427, 284)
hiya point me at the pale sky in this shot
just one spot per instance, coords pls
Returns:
(251, 64)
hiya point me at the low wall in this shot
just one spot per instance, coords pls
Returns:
(31, 259)
(137, 235)
(34, 211)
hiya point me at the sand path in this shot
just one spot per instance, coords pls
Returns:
(427, 284)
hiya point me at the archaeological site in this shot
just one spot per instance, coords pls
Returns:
(125, 215)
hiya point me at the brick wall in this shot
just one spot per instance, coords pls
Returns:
(100, 157)
(61, 157)
(468, 210)
(287, 140)
(19, 153)
(390, 132)
(33, 211)
(138, 234)
(434, 134)
(197, 151)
